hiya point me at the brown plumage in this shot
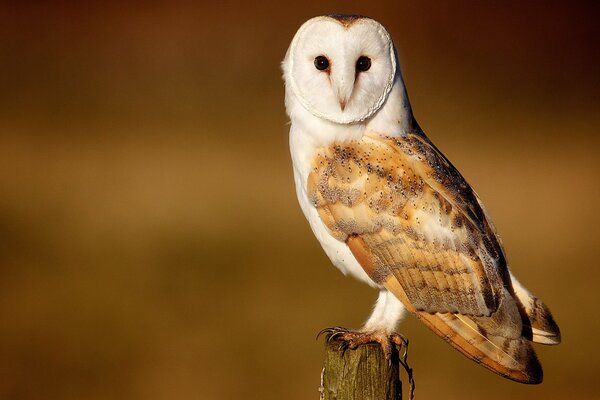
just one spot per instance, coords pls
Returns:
(417, 228)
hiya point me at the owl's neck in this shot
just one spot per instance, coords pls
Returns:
(309, 132)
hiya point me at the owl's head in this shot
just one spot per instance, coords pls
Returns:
(341, 68)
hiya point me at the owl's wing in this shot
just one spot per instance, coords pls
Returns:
(416, 227)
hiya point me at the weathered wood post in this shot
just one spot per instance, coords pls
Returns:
(363, 373)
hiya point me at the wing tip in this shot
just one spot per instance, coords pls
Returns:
(521, 366)
(531, 373)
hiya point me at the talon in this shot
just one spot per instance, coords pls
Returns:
(352, 339)
(332, 333)
(322, 331)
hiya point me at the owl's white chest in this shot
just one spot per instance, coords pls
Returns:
(303, 146)
(308, 133)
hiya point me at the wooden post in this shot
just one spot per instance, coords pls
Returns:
(363, 373)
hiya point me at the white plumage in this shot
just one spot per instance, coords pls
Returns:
(317, 120)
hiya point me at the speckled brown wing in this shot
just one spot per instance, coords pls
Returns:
(416, 227)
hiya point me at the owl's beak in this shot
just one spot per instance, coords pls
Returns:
(344, 93)
(344, 87)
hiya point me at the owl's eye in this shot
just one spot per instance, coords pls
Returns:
(363, 64)
(321, 63)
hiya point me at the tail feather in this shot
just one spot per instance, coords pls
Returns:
(539, 325)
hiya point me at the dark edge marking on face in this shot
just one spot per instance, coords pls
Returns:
(346, 19)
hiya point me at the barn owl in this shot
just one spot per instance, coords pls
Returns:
(389, 208)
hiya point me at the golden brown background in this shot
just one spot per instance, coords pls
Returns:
(151, 246)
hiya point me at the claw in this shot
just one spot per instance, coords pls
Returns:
(352, 339)
(334, 335)
(331, 331)
(322, 331)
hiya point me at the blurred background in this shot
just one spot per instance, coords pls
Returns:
(151, 245)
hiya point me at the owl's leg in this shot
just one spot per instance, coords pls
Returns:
(388, 311)
(379, 327)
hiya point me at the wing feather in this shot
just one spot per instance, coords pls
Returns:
(425, 227)
(494, 342)
(417, 228)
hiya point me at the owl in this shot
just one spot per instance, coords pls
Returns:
(389, 208)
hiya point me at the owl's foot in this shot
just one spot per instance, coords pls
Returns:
(350, 339)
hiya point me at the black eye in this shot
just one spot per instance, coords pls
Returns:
(321, 63)
(363, 64)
